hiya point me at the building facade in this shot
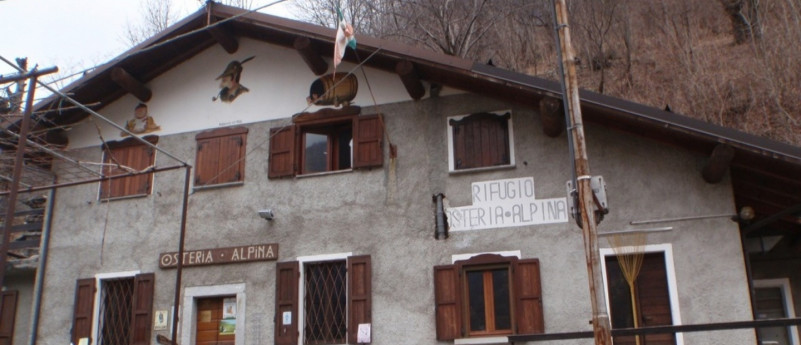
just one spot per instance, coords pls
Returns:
(384, 217)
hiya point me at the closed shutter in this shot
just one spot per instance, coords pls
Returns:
(142, 316)
(359, 294)
(232, 159)
(282, 152)
(653, 298)
(8, 311)
(132, 154)
(528, 297)
(447, 299)
(367, 139)
(83, 308)
(481, 140)
(286, 303)
(220, 156)
(207, 163)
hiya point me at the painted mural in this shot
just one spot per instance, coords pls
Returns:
(142, 122)
(337, 89)
(230, 88)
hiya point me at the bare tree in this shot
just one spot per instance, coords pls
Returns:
(156, 16)
(744, 16)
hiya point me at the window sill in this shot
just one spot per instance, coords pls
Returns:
(482, 340)
(125, 197)
(216, 186)
(472, 170)
(324, 173)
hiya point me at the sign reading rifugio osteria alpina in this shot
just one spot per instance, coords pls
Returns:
(217, 256)
(506, 203)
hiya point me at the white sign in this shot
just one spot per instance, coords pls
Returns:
(506, 203)
(363, 337)
(286, 318)
(160, 320)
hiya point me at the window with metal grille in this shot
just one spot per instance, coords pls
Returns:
(480, 140)
(116, 303)
(325, 303)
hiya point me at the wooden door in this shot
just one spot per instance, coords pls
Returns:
(212, 327)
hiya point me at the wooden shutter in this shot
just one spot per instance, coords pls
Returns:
(447, 299)
(528, 297)
(359, 294)
(367, 138)
(135, 155)
(653, 297)
(142, 317)
(480, 140)
(83, 309)
(8, 311)
(286, 301)
(220, 156)
(282, 152)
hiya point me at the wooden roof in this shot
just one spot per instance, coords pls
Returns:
(765, 173)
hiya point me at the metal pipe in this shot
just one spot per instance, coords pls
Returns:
(101, 179)
(651, 221)
(635, 231)
(180, 265)
(442, 230)
(40, 271)
(54, 153)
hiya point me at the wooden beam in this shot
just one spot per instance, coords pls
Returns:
(718, 164)
(410, 79)
(553, 121)
(224, 38)
(126, 81)
(310, 55)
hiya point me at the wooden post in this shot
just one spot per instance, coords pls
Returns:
(600, 318)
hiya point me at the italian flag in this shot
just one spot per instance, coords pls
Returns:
(344, 39)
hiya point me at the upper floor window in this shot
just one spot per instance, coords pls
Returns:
(480, 140)
(125, 157)
(318, 144)
(488, 295)
(334, 294)
(220, 156)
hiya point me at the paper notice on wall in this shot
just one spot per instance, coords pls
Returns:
(229, 308)
(363, 337)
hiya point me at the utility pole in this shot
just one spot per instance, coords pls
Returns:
(582, 178)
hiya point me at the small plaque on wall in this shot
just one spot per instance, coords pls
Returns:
(160, 320)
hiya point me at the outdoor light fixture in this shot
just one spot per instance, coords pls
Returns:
(267, 214)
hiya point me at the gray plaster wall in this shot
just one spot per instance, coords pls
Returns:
(388, 214)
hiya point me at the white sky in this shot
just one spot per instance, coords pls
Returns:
(77, 34)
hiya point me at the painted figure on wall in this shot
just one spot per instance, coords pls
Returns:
(141, 123)
(230, 88)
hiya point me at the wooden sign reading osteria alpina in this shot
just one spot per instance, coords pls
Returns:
(218, 256)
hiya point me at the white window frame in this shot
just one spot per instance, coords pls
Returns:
(302, 260)
(99, 278)
(189, 309)
(449, 130)
(787, 295)
(670, 271)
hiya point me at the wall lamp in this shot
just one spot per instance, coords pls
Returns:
(267, 214)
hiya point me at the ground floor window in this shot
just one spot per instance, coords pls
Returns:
(773, 299)
(325, 303)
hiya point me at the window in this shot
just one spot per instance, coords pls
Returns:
(124, 310)
(7, 316)
(220, 157)
(323, 143)
(651, 299)
(332, 295)
(480, 140)
(124, 157)
(488, 295)
(772, 300)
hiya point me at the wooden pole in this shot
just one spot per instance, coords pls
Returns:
(600, 318)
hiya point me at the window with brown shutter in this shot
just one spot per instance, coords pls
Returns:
(124, 157)
(331, 143)
(125, 310)
(221, 157)
(488, 295)
(480, 140)
(331, 313)
(7, 315)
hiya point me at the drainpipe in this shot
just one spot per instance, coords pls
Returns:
(40, 271)
(441, 219)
